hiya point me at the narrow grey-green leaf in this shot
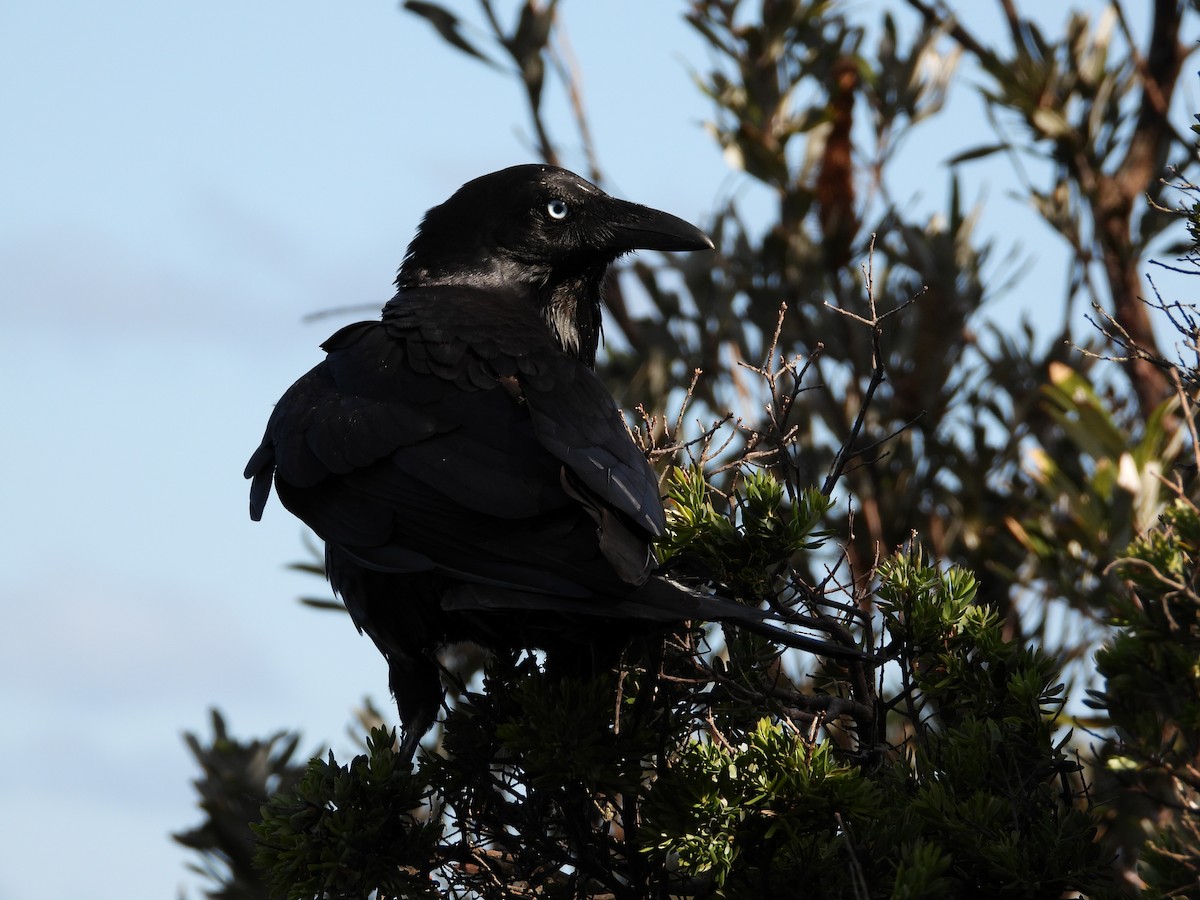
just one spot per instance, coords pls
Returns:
(447, 25)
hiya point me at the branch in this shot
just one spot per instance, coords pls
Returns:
(878, 371)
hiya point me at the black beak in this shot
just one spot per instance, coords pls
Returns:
(635, 227)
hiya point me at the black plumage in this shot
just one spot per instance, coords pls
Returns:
(469, 473)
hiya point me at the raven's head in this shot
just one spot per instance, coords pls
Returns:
(542, 230)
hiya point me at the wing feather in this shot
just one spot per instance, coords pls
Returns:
(438, 440)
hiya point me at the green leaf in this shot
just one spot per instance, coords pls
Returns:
(977, 153)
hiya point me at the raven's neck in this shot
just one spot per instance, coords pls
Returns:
(569, 305)
(571, 308)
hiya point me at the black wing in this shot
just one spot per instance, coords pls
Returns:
(455, 436)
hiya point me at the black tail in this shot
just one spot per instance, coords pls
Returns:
(661, 600)
(664, 599)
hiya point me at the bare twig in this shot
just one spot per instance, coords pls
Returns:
(874, 320)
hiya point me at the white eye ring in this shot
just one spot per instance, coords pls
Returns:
(557, 209)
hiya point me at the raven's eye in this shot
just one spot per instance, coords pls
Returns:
(557, 209)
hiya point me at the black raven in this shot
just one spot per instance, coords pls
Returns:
(470, 475)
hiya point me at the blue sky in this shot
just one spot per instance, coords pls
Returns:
(183, 183)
